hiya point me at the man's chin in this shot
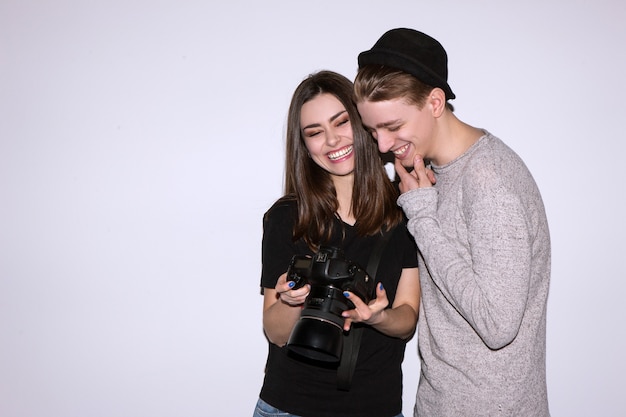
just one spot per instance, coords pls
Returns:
(407, 163)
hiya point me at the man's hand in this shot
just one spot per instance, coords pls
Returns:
(420, 177)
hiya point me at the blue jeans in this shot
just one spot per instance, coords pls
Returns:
(263, 409)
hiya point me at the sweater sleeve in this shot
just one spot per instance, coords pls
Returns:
(485, 275)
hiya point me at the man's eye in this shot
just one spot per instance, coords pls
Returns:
(393, 128)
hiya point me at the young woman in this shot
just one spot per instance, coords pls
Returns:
(337, 194)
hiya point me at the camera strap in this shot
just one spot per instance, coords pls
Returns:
(352, 340)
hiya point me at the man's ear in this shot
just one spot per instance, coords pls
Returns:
(437, 101)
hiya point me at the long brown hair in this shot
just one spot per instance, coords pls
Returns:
(373, 195)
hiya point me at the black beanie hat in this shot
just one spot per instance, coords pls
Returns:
(412, 52)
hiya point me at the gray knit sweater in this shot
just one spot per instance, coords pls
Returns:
(484, 239)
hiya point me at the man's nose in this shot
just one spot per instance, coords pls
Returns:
(385, 142)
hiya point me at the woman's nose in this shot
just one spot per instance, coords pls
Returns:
(332, 138)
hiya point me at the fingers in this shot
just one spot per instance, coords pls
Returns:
(347, 324)
(283, 285)
(353, 315)
(365, 313)
(408, 180)
(431, 175)
(289, 296)
(420, 177)
(381, 299)
(295, 297)
(419, 168)
(380, 291)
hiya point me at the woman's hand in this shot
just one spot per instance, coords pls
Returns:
(399, 320)
(366, 313)
(289, 296)
(281, 309)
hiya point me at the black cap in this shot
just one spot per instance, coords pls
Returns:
(413, 52)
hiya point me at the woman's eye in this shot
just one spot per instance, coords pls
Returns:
(310, 134)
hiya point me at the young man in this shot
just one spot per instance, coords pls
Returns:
(481, 230)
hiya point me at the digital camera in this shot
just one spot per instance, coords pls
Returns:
(318, 334)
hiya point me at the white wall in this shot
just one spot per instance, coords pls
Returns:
(141, 141)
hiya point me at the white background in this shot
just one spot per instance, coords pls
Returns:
(141, 142)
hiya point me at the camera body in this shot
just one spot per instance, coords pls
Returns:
(318, 334)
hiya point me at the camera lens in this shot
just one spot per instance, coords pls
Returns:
(317, 339)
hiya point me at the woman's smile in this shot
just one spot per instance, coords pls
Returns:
(341, 154)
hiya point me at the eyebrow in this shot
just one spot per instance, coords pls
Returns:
(387, 124)
(332, 118)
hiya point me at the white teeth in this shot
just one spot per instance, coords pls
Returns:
(340, 153)
(401, 150)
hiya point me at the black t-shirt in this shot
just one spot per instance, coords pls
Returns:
(310, 390)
